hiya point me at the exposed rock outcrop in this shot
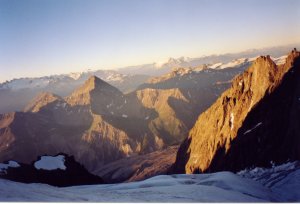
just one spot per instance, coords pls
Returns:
(138, 167)
(67, 172)
(98, 124)
(42, 100)
(254, 122)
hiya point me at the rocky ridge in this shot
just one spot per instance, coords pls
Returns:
(252, 123)
(97, 124)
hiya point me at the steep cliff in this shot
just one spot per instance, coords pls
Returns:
(254, 122)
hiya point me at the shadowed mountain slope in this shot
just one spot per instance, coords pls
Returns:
(254, 122)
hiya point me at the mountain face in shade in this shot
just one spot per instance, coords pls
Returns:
(42, 100)
(75, 126)
(98, 124)
(93, 91)
(254, 122)
(17, 93)
(138, 167)
(60, 170)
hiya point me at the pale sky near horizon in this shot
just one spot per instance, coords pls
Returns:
(42, 37)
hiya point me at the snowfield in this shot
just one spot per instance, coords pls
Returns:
(281, 183)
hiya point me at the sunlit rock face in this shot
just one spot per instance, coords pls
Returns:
(254, 122)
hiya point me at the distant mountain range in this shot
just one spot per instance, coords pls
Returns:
(99, 122)
(156, 69)
(16, 93)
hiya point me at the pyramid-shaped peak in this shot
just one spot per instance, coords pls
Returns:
(46, 97)
(94, 87)
(94, 82)
(41, 100)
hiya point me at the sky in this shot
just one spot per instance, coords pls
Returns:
(42, 37)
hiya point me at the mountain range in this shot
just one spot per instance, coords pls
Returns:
(104, 125)
(227, 116)
(253, 123)
(16, 93)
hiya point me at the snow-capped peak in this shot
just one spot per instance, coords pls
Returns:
(115, 77)
(233, 63)
(62, 79)
(172, 62)
(279, 60)
(75, 75)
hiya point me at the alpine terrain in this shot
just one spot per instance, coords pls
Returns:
(254, 123)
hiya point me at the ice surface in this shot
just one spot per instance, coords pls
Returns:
(283, 180)
(51, 163)
(189, 188)
(247, 186)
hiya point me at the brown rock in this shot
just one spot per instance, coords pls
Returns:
(138, 167)
(225, 137)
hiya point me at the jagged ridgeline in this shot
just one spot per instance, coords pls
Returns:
(254, 122)
(98, 124)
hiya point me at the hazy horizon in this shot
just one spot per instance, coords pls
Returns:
(41, 38)
(86, 69)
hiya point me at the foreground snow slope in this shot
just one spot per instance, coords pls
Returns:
(247, 186)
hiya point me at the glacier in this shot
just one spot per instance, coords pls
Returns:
(276, 184)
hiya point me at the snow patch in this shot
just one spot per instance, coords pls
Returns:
(109, 105)
(257, 125)
(234, 63)
(216, 65)
(231, 64)
(51, 163)
(64, 105)
(279, 60)
(11, 164)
